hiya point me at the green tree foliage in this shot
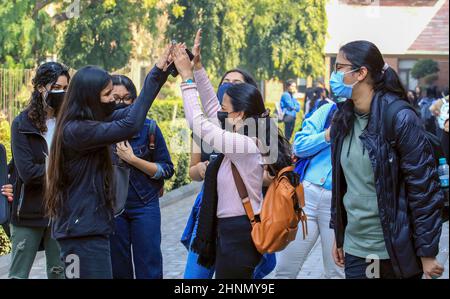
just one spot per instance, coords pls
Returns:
(223, 23)
(99, 36)
(286, 38)
(424, 67)
(282, 39)
(26, 35)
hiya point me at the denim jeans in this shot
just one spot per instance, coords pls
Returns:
(87, 257)
(192, 269)
(318, 211)
(137, 242)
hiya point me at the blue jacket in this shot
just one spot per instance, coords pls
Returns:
(311, 141)
(85, 211)
(289, 105)
(144, 188)
(407, 185)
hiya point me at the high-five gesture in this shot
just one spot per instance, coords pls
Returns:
(182, 62)
(196, 50)
(166, 58)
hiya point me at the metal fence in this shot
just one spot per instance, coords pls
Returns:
(15, 91)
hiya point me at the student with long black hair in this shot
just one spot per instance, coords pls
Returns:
(31, 136)
(224, 230)
(386, 200)
(80, 192)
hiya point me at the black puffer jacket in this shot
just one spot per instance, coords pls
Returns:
(407, 186)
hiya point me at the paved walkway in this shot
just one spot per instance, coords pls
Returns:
(174, 217)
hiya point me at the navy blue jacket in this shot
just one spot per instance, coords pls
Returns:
(142, 186)
(407, 187)
(85, 211)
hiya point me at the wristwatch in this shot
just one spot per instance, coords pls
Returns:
(189, 81)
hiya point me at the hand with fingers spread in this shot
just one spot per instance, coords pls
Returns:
(7, 190)
(166, 58)
(125, 151)
(182, 62)
(196, 50)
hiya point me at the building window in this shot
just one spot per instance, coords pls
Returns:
(404, 71)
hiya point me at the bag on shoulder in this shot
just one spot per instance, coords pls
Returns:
(152, 146)
(121, 183)
(282, 209)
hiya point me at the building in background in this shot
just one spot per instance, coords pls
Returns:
(404, 30)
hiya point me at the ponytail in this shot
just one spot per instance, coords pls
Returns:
(390, 82)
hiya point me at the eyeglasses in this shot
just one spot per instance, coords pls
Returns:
(338, 66)
(122, 99)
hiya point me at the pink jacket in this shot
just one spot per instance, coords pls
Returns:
(237, 148)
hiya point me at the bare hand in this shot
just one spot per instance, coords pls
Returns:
(182, 62)
(446, 126)
(338, 255)
(166, 58)
(201, 167)
(125, 151)
(327, 134)
(431, 268)
(7, 190)
(196, 50)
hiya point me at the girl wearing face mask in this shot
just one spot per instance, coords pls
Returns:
(138, 228)
(386, 202)
(80, 186)
(224, 230)
(199, 161)
(31, 137)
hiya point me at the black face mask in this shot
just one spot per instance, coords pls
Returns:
(121, 106)
(108, 108)
(55, 99)
(222, 116)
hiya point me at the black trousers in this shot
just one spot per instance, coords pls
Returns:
(359, 268)
(236, 255)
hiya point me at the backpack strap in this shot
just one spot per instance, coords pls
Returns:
(389, 117)
(152, 137)
(243, 194)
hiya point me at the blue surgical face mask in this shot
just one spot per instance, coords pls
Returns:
(339, 88)
(222, 89)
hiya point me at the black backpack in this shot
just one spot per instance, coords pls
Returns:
(388, 122)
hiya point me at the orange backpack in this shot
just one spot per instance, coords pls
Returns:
(282, 210)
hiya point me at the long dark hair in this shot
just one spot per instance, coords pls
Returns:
(47, 73)
(365, 54)
(247, 77)
(121, 80)
(82, 102)
(246, 98)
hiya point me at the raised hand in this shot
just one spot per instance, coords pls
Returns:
(196, 50)
(166, 58)
(182, 62)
